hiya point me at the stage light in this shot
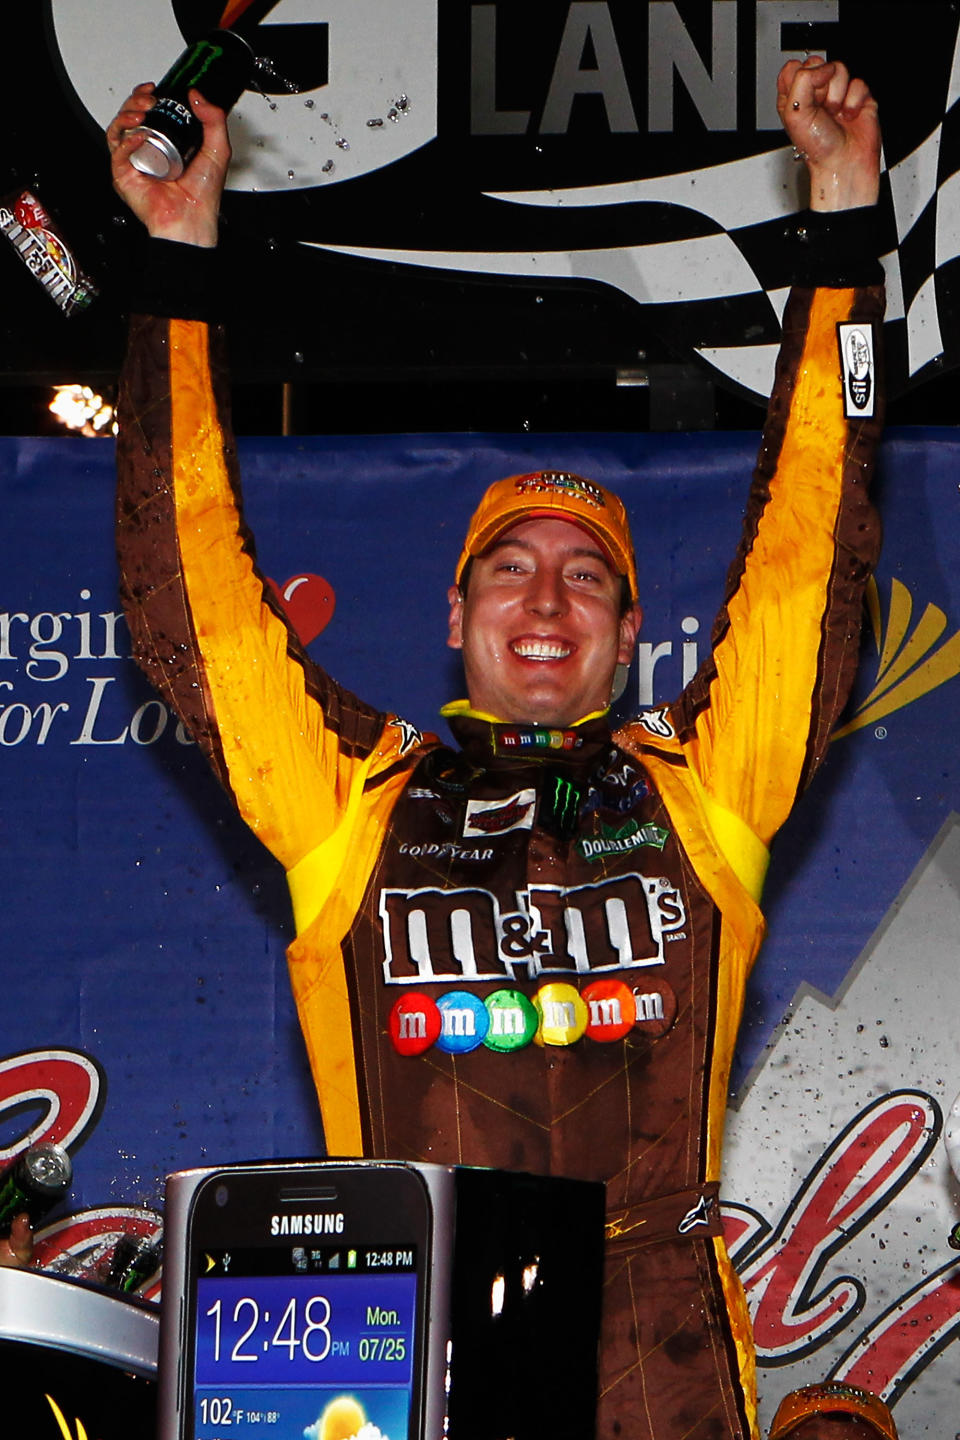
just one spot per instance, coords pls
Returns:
(82, 409)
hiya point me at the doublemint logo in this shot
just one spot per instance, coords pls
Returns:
(630, 836)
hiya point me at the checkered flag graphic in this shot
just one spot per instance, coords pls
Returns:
(712, 271)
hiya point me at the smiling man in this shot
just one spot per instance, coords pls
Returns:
(542, 624)
(530, 951)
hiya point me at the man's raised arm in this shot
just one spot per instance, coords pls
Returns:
(287, 743)
(756, 720)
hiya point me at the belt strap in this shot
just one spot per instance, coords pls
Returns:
(691, 1214)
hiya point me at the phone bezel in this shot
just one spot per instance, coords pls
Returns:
(383, 1204)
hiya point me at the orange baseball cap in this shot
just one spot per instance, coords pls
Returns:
(830, 1398)
(555, 495)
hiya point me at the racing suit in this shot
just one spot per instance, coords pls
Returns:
(529, 951)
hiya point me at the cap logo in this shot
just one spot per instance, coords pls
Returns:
(561, 482)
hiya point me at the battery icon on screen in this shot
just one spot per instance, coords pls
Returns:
(351, 1259)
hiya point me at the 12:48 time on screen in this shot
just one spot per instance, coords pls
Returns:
(313, 1340)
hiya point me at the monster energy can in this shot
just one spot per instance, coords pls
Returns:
(34, 1183)
(219, 66)
(135, 1258)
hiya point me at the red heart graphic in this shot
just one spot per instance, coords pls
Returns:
(308, 602)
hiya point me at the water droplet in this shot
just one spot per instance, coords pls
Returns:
(309, 104)
(298, 357)
(374, 124)
(265, 66)
(289, 174)
(342, 144)
(327, 166)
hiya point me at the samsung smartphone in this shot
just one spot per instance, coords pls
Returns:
(295, 1302)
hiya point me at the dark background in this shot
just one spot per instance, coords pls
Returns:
(356, 346)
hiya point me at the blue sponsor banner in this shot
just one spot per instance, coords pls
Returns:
(145, 928)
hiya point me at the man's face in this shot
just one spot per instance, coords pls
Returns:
(540, 627)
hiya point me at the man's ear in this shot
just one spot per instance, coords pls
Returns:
(455, 623)
(630, 624)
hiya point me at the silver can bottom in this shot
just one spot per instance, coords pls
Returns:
(157, 156)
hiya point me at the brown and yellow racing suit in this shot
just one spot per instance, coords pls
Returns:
(530, 951)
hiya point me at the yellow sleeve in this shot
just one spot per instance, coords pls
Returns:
(755, 722)
(292, 747)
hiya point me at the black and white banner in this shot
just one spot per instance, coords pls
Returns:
(497, 184)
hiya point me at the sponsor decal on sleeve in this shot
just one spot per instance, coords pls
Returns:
(410, 736)
(656, 722)
(857, 367)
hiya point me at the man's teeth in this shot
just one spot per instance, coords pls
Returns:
(540, 650)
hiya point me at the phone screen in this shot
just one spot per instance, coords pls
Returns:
(306, 1337)
(325, 1351)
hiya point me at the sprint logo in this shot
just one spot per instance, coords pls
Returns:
(909, 665)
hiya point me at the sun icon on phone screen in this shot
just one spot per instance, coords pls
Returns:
(344, 1419)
